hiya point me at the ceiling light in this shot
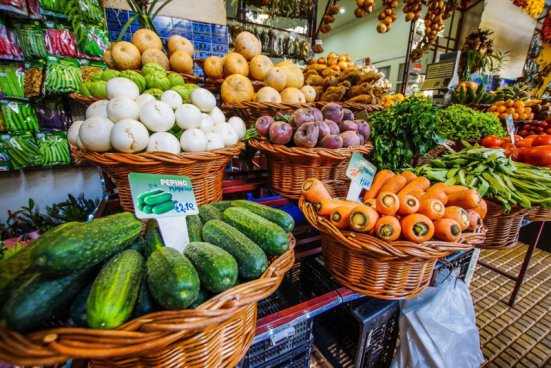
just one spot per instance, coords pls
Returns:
(342, 10)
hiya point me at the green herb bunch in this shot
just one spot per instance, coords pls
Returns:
(458, 122)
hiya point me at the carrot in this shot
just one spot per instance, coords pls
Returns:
(447, 230)
(421, 183)
(474, 220)
(371, 202)
(314, 191)
(408, 205)
(408, 175)
(394, 184)
(436, 193)
(432, 208)
(449, 188)
(482, 209)
(417, 228)
(417, 193)
(467, 199)
(340, 217)
(458, 214)
(326, 206)
(380, 179)
(387, 203)
(387, 228)
(363, 218)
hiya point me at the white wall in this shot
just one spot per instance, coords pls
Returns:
(46, 186)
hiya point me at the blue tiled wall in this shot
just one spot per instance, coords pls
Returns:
(208, 39)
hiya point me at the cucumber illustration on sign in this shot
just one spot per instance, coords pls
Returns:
(156, 202)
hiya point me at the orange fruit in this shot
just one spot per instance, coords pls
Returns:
(527, 110)
(496, 113)
(515, 116)
(492, 108)
(523, 116)
(503, 115)
(511, 110)
(499, 103)
(509, 103)
(501, 108)
(519, 104)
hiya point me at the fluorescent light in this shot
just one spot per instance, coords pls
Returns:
(263, 16)
(342, 10)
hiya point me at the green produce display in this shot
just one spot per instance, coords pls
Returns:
(144, 304)
(23, 150)
(202, 297)
(152, 69)
(280, 217)
(159, 81)
(493, 175)
(76, 245)
(217, 268)
(91, 40)
(223, 205)
(155, 92)
(14, 267)
(31, 39)
(109, 74)
(115, 290)
(54, 148)
(172, 279)
(458, 122)
(209, 212)
(194, 227)
(176, 79)
(402, 131)
(19, 116)
(78, 309)
(55, 6)
(94, 88)
(269, 236)
(12, 80)
(251, 259)
(62, 75)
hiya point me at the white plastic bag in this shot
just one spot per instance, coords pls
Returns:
(438, 329)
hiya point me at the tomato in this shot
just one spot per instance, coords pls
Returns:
(548, 131)
(492, 141)
(539, 129)
(515, 154)
(539, 156)
(508, 145)
(523, 133)
(525, 143)
(517, 138)
(529, 128)
(542, 140)
(532, 136)
(544, 124)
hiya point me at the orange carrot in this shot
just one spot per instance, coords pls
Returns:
(449, 188)
(417, 228)
(363, 218)
(467, 199)
(314, 191)
(387, 203)
(326, 206)
(482, 209)
(380, 179)
(458, 214)
(408, 175)
(474, 220)
(340, 217)
(421, 183)
(387, 228)
(417, 193)
(432, 208)
(447, 230)
(408, 205)
(436, 193)
(394, 184)
(371, 202)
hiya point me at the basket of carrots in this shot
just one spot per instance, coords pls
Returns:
(387, 246)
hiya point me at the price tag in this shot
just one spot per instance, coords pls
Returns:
(510, 127)
(318, 42)
(442, 142)
(168, 199)
(361, 172)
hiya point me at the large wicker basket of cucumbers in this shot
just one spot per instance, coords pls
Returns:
(100, 291)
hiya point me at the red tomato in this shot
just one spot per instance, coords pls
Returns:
(530, 128)
(539, 129)
(532, 136)
(492, 141)
(525, 143)
(542, 140)
(539, 156)
(508, 145)
(515, 154)
(544, 124)
(523, 133)
(517, 138)
(548, 131)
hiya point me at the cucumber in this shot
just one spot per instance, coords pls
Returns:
(153, 240)
(163, 207)
(139, 246)
(82, 245)
(251, 259)
(40, 298)
(157, 198)
(144, 304)
(77, 312)
(280, 217)
(217, 268)
(269, 236)
(140, 206)
(194, 227)
(115, 290)
(172, 280)
(147, 209)
(222, 205)
(202, 297)
(209, 212)
(144, 195)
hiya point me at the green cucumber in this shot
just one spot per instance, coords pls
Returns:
(144, 195)
(40, 298)
(217, 268)
(202, 297)
(147, 209)
(115, 290)
(164, 207)
(269, 236)
(77, 312)
(155, 199)
(209, 212)
(194, 227)
(251, 259)
(140, 206)
(172, 280)
(153, 239)
(139, 246)
(81, 245)
(280, 217)
(144, 304)
(222, 205)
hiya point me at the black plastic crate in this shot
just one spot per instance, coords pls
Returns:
(298, 358)
(456, 265)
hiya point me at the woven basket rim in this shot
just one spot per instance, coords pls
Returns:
(286, 106)
(374, 247)
(152, 331)
(316, 152)
(539, 213)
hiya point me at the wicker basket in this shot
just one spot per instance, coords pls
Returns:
(205, 169)
(539, 214)
(250, 111)
(84, 99)
(503, 229)
(218, 333)
(289, 167)
(365, 264)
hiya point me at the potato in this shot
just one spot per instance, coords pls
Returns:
(155, 56)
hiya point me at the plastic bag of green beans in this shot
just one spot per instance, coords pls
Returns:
(12, 76)
(19, 116)
(23, 150)
(31, 39)
(54, 148)
(62, 75)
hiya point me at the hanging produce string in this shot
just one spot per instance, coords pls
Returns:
(328, 17)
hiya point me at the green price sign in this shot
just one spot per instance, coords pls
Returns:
(361, 171)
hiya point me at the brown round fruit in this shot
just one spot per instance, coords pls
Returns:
(248, 45)
(237, 88)
(214, 67)
(295, 78)
(235, 63)
(293, 96)
(259, 66)
(276, 78)
(108, 59)
(181, 62)
(155, 56)
(126, 56)
(268, 94)
(176, 42)
(145, 39)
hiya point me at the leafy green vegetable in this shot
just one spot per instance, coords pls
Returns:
(458, 122)
(403, 131)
